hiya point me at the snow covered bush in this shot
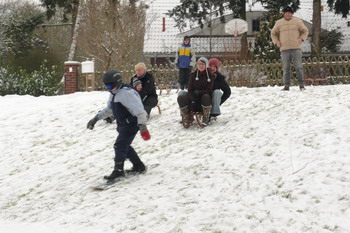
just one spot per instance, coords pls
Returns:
(8, 81)
(248, 77)
(247, 74)
(18, 29)
(44, 81)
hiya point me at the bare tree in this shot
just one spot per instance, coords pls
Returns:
(73, 46)
(112, 32)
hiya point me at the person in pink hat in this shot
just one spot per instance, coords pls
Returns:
(221, 89)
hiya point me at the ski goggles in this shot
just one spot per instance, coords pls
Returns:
(109, 86)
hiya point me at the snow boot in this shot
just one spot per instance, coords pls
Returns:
(285, 88)
(206, 114)
(302, 87)
(187, 117)
(117, 172)
(137, 168)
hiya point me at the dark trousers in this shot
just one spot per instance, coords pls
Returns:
(194, 106)
(123, 149)
(149, 103)
(184, 75)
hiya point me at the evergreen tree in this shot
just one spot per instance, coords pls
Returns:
(18, 30)
(195, 10)
(340, 7)
(263, 45)
(24, 45)
(70, 7)
(330, 41)
(277, 5)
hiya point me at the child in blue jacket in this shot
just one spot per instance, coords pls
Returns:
(185, 59)
(127, 108)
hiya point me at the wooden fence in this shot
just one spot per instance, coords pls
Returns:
(325, 71)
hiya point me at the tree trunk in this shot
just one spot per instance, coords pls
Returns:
(73, 46)
(75, 8)
(113, 12)
(244, 47)
(316, 29)
(244, 39)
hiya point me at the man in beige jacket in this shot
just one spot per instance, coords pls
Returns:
(288, 34)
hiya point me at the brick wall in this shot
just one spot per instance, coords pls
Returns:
(71, 76)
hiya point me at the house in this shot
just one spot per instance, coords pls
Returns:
(216, 41)
(163, 38)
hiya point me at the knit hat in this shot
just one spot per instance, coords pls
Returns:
(205, 60)
(214, 62)
(288, 9)
(136, 82)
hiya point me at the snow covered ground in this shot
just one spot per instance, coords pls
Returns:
(273, 162)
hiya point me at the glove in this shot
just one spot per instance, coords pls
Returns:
(144, 132)
(92, 122)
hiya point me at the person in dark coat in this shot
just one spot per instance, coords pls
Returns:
(148, 92)
(127, 108)
(221, 89)
(198, 98)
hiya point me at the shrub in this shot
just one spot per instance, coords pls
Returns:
(44, 81)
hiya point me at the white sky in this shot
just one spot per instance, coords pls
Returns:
(273, 162)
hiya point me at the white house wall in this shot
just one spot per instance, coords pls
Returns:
(166, 42)
(157, 40)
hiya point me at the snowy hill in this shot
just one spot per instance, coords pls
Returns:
(273, 162)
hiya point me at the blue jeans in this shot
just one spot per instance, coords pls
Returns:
(295, 56)
(215, 102)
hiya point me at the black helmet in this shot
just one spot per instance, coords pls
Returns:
(112, 78)
(187, 38)
(288, 9)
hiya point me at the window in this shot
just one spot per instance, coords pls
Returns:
(256, 25)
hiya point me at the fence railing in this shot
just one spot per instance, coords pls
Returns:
(326, 70)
